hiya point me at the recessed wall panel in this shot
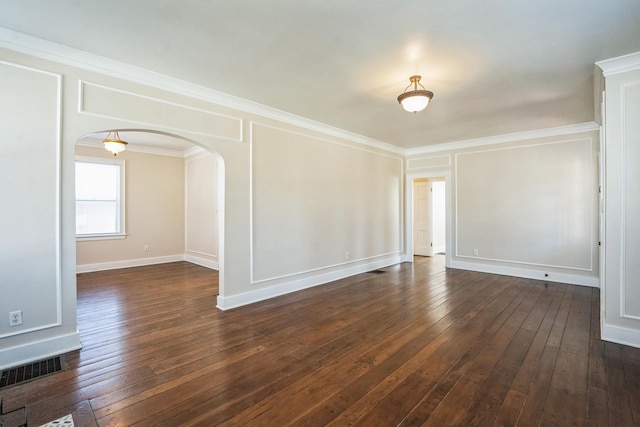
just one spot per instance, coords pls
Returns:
(142, 110)
(30, 214)
(528, 204)
(429, 162)
(631, 209)
(314, 201)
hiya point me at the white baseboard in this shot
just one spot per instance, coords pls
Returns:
(320, 278)
(85, 268)
(439, 249)
(621, 335)
(39, 350)
(573, 279)
(194, 259)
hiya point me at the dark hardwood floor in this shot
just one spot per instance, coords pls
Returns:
(415, 345)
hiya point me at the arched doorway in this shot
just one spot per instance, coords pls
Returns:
(161, 209)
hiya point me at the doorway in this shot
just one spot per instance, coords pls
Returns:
(429, 216)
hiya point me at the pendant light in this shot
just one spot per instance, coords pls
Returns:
(113, 143)
(417, 99)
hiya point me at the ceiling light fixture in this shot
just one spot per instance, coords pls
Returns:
(114, 144)
(417, 99)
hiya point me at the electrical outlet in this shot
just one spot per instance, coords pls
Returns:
(146, 248)
(347, 256)
(476, 252)
(15, 318)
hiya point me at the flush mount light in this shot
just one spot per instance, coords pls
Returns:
(113, 143)
(417, 99)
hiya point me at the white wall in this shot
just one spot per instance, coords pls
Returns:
(621, 177)
(525, 207)
(45, 119)
(201, 214)
(35, 267)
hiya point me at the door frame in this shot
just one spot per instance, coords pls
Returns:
(409, 177)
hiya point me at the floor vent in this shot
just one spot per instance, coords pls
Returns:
(30, 371)
(377, 271)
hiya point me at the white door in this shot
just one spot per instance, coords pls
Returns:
(422, 219)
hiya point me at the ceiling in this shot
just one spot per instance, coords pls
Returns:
(495, 66)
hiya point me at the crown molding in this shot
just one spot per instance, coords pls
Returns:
(620, 64)
(44, 49)
(509, 137)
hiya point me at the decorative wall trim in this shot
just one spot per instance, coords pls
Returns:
(58, 190)
(261, 294)
(204, 262)
(112, 265)
(593, 203)
(510, 137)
(624, 118)
(621, 335)
(573, 279)
(620, 64)
(84, 86)
(44, 49)
(428, 162)
(252, 126)
(479, 258)
(38, 350)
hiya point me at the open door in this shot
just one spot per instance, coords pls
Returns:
(422, 218)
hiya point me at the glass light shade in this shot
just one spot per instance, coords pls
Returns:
(415, 103)
(114, 146)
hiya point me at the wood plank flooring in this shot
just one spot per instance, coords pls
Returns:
(416, 345)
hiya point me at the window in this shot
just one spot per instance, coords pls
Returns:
(99, 197)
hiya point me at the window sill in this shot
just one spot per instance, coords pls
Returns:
(88, 237)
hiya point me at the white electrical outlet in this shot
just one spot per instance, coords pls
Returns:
(476, 252)
(146, 248)
(347, 256)
(15, 318)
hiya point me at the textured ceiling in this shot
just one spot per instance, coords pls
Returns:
(495, 66)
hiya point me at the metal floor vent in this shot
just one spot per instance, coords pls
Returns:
(377, 272)
(30, 371)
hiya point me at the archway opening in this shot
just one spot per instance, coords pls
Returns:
(171, 206)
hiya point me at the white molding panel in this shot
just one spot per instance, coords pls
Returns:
(630, 247)
(427, 162)
(48, 208)
(113, 103)
(266, 278)
(480, 200)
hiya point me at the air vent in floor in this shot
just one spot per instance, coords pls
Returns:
(30, 371)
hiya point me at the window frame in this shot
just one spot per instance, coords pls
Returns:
(120, 202)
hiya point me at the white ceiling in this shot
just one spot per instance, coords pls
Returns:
(495, 66)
